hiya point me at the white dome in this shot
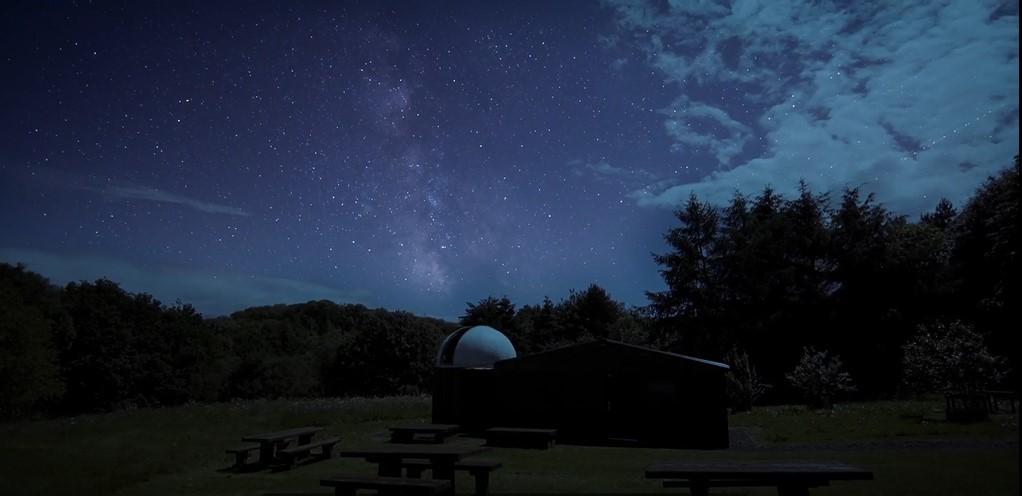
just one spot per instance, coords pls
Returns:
(474, 347)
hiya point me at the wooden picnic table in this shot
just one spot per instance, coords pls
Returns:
(423, 433)
(791, 478)
(391, 456)
(271, 442)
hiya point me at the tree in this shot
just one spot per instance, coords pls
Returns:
(763, 283)
(589, 313)
(101, 363)
(865, 301)
(801, 284)
(806, 247)
(389, 353)
(942, 216)
(984, 260)
(737, 262)
(631, 327)
(30, 376)
(490, 311)
(686, 312)
(538, 328)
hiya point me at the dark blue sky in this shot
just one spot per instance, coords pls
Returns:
(419, 155)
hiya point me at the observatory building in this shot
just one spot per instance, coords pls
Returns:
(601, 392)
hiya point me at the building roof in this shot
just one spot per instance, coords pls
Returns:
(601, 350)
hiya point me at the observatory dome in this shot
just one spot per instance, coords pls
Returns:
(474, 347)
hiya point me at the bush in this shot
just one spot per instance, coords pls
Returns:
(820, 377)
(949, 357)
(744, 386)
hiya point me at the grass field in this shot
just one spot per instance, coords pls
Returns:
(181, 450)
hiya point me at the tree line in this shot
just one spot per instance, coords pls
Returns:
(777, 287)
(92, 346)
(782, 280)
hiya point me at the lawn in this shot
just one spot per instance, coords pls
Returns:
(180, 450)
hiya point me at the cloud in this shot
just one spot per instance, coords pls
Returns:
(212, 293)
(604, 171)
(911, 101)
(697, 125)
(132, 192)
(68, 179)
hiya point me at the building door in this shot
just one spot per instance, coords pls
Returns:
(623, 407)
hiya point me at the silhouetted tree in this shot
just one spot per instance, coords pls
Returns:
(389, 353)
(30, 320)
(984, 261)
(537, 327)
(490, 311)
(686, 312)
(861, 233)
(803, 279)
(942, 216)
(100, 365)
(589, 314)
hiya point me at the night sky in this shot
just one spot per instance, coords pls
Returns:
(421, 155)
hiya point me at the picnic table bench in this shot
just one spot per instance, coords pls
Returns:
(479, 469)
(790, 478)
(392, 457)
(422, 433)
(270, 444)
(241, 454)
(515, 437)
(290, 455)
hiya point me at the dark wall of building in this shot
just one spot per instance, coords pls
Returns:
(597, 393)
(464, 397)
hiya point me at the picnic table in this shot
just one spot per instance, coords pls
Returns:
(790, 478)
(391, 457)
(422, 433)
(271, 442)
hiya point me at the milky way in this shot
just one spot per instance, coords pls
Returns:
(422, 155)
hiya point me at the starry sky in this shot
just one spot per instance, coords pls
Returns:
(421, 155)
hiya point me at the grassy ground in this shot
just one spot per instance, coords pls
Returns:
(880, 420)
(180, 450)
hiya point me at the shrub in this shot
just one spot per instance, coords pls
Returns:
(744, 386)
(820, 377)
(949, 357)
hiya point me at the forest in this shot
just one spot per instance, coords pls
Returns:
(786, 290)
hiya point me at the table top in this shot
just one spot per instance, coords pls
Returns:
(281, 435)
(757, 470)
(455, 451)
(426, 428)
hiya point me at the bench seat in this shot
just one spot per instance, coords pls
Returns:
(241, 454)
(420, 437)
(290, 455)
(479, 469)
(347, 486)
